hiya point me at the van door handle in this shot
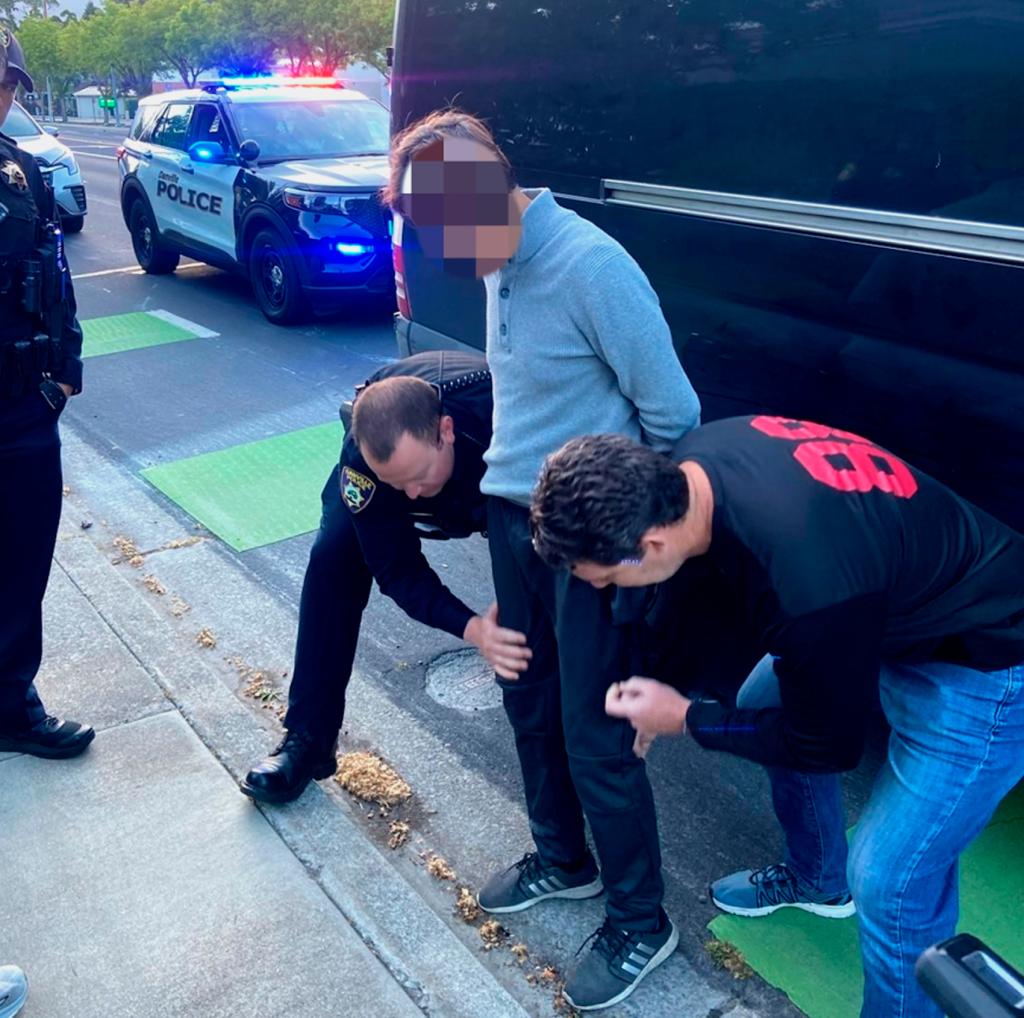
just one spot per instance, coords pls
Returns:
(146, 153)
(186, 167)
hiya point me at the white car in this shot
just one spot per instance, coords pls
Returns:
(56, 162)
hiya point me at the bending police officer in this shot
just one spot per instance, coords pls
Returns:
(40, 367)
(410, 465)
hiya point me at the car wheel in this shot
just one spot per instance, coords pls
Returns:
(151, 255)
(275, 279)
(72, 224)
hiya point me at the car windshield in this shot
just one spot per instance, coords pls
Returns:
(313, 130)
(19, 124)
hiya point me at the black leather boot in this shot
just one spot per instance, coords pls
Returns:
(284, 775)
(52, 738)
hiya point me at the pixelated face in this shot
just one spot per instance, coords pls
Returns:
(456, 195)
(416, 468)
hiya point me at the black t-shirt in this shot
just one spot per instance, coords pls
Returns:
(385, 518)
(837, 556)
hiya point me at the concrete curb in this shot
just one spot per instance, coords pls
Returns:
(421, 953)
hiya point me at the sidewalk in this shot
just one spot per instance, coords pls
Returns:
(138, 882)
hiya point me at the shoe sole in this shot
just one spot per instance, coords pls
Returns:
(825, 911)
(65, 752)
(280, 798)
(591, 890)
(666, 950)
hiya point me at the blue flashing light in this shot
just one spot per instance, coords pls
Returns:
(201, 152)
(352, 250)
(278, 80)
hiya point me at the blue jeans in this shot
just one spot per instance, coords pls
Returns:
(956, 749)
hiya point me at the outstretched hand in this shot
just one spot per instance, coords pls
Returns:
(651, 707)
(504, 649)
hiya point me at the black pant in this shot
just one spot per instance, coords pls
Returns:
(30, 504)
(570, 751)
(334, 595)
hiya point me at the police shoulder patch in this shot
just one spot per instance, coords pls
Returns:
(14, 175)
(356, 489)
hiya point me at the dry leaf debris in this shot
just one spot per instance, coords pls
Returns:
(153, 585)
(369, 778)
(206, 639)
(729, 957)
(179, 607)
(398, 833)
(493, 934)
(439, 869)
(466, 905)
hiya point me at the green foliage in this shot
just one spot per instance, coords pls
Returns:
(131, 40)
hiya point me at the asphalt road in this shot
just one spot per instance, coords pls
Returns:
(256, 380)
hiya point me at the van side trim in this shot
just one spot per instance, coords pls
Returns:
(990, 241)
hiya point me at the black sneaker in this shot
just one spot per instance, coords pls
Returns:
(528, 881)
(284, 775)
(617, 962)
(51, 738)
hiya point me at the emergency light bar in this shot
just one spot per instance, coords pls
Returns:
(278, 81)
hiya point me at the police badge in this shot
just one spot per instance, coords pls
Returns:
(13, 175)
(356, 489)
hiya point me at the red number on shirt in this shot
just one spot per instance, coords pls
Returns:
(870, 467)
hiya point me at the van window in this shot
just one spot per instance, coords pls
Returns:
(902, 105)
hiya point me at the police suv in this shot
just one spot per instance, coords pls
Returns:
(273, 178)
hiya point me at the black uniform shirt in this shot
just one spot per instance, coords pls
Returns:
(838, 556)
(386, 518)
(27, 199)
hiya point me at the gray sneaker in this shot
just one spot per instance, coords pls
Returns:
(529, 881)
(761, 892)
(13, 990)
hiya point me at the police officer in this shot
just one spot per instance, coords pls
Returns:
(410, 466)
(40, 345)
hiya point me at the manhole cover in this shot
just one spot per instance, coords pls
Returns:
(463, 680)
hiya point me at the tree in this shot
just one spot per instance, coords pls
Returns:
(184, 32)
(48, 56)
(245, 37)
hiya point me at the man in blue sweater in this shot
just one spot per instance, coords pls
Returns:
(576, 344)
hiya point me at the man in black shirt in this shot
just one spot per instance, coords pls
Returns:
(860, 577)
(410, 466)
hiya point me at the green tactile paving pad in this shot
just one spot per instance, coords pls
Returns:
(133, 331)
(816, 961)
(257, 493)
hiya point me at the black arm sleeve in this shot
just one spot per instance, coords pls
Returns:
(69, 370)
(827, 664)
(392, 550)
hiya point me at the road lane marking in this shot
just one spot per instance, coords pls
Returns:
(133, 270)
(95, 155)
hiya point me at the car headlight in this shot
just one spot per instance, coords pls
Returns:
(323, 202)
(68, 162)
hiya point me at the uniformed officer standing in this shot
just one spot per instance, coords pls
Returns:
(413, 459)
(40, 344)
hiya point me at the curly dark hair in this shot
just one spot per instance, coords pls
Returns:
(598, 495)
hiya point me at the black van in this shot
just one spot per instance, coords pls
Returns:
(827, 195)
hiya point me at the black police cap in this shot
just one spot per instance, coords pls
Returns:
(12, 60)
